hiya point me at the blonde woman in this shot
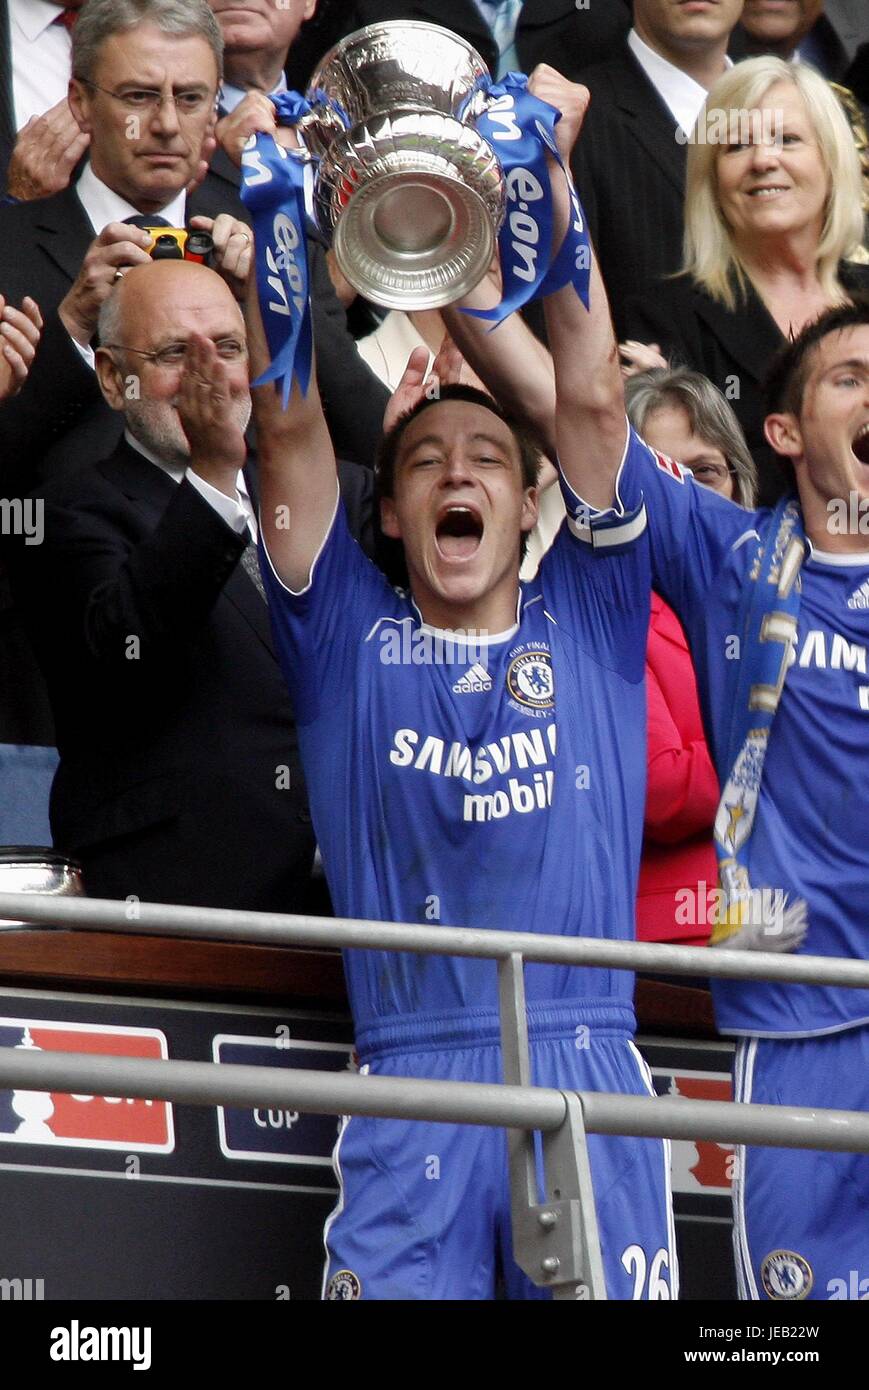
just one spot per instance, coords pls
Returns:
(772, 214)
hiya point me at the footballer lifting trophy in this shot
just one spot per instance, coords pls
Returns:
(410, 192)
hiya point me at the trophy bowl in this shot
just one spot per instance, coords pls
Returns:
(411, 194)
(414, 199)
(34, 869)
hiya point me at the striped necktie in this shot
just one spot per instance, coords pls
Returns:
(250, 565)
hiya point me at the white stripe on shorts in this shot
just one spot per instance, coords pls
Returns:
(339, 1205)
(646, 1076)
(743, 1078)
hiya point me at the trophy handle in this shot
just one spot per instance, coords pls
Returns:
(318, 128)
(475, 105)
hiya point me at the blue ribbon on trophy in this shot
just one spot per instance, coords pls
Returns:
(273, 187)
(520, 128)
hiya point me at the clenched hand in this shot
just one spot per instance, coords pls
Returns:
(233, 248)
(118, 247)
(20, 330)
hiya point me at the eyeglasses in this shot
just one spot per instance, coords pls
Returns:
(175, 354)
(711, 474)
(146, 101)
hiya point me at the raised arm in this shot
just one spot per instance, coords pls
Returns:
(515, 366)
(590, 427)
(573, 396)
(297, 469)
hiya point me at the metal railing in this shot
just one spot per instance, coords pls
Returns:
(555, 1242)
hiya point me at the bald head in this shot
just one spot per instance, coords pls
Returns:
(144, 328)
(165, 294)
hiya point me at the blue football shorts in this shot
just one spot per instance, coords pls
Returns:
(424, 1209)
(801, 1216)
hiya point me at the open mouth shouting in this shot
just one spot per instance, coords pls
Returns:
(458, 532)
(860, 444)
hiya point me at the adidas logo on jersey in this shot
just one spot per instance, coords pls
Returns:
(860, 597)
(473, 681)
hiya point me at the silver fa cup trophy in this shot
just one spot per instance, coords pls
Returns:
(412, 195)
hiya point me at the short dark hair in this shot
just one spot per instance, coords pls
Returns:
(786, 379)
(530, 449)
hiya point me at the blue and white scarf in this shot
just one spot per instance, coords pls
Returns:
(750, 918)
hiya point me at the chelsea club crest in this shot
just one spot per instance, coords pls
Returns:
(530, 680)
(343, 1286)
(786, 1275)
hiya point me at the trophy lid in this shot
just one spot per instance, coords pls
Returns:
(398, 63)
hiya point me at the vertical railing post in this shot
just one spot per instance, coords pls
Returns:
(516, 1062)
(555, 1243)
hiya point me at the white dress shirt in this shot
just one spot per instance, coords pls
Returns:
(237, 512)
(681, 94)
(41, 59)
(103, 205)
(387, 349)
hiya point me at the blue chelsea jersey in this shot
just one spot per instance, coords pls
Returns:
(809, 834)
(491, 783)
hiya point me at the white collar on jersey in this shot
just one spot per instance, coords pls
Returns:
(851, 559)
(478, 639)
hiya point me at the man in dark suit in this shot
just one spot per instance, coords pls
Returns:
(44, 245)
(570, 37)
(559, 32)
(65, 252)
(257, 38)
(825, 33)
(179, 779)
(630, 164)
